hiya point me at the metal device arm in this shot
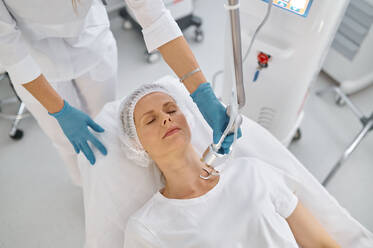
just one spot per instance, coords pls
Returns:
(234, 14)
(235, 120)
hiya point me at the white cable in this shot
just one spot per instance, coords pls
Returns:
(252, 39)
(258, 29)
(234, 114)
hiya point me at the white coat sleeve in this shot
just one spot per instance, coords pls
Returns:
(158, 26)
(138, 235)
(14, 55)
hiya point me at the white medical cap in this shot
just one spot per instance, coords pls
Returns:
(129, 140)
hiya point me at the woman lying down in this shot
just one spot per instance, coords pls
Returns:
(245, 205)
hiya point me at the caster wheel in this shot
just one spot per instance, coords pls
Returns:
(339, 101)
(297, 136)
(17, 135)
(127, 25)
(152, 58)
(198, 35)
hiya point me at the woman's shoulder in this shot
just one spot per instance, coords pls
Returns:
(151, 210)
(138, 234)
(142, 214)
(244, 163)
(242, 166)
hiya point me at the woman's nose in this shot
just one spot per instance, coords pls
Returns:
(166, 119)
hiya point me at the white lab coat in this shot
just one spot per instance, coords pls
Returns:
(76, 52)
(50, 37)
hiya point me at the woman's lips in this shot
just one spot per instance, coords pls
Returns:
(171, 131)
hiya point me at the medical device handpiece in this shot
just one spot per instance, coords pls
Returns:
(211, 153)
(235, 119)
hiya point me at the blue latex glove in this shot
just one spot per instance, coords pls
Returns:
(215, 114)
(74, 124)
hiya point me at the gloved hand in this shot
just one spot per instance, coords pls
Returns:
(215, 114)
(74, 124)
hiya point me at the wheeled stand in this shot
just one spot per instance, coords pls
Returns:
(367, 126)
(15, 133)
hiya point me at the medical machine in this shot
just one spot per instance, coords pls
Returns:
(367, 126)
(349, 60)
(284, 59)
(350, 63)
(181, 11)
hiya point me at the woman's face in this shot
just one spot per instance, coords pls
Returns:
(161, 126)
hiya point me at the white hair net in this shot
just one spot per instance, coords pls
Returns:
(129, 140)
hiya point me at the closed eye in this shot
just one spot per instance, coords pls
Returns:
(151, 121)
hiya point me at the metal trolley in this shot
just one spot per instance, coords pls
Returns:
(15, 133)
(367, 126)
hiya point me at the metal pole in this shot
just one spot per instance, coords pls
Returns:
(237, 50)
(18, 118)
(211, 153)
(348, 151)
(353, 108)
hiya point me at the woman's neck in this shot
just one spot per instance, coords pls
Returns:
(182, 173)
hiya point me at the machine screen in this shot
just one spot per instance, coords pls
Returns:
(300, 7)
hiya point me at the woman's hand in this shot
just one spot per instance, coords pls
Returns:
(308, 232)
(74, 124)
(215, 114)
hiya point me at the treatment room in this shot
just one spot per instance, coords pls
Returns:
(186, 123)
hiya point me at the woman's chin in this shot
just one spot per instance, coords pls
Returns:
(176, 141)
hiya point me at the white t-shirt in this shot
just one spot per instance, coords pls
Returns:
(247, 208)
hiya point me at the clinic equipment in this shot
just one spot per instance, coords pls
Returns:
(181, 11)
(237, 98)
(115, 188)
(352, 49)
(366, 121)
(285, 58)
(15, 133)
(301, 7)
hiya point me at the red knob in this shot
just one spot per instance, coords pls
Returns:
(263, 58)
